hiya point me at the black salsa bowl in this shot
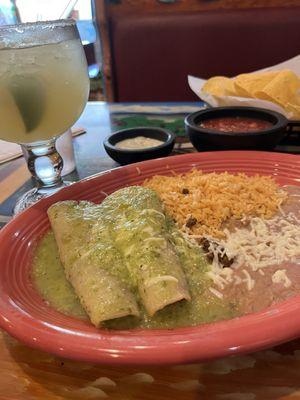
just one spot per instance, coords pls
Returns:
(205, 139)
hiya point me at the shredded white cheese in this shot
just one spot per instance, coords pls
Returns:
(157, 279)
(249, 281)
(264, 242)
(216, 293)
(159, 241)
(217, 279)
(149, 230)
(261, 243)
(280, 276)
(129, 250)
(237, 280)
(153, 211)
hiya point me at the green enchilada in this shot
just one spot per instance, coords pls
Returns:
(95, 271)
(140, 231)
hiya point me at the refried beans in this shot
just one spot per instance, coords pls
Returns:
(259, 288)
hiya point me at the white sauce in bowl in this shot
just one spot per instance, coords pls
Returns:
(138, 143)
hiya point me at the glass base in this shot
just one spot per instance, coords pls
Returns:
(32, 196)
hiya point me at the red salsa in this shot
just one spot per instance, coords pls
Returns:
(235, 124)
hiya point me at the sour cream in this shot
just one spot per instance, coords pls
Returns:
(138, 142)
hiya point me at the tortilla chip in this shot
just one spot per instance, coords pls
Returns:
(293, 110)
(219, 86)
(264, 96)
(246, 85)
(280, 87)
(283, 89)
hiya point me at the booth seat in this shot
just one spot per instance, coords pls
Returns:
(153, 54)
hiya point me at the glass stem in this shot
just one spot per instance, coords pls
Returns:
(45, 164)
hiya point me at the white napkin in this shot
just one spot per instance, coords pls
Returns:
(9, 151)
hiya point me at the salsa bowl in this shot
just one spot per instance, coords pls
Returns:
(206, 132)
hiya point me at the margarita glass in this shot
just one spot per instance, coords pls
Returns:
(44, 87)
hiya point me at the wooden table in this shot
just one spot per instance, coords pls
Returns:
(27, 374)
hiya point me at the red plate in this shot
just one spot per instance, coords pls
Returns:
(24, 315)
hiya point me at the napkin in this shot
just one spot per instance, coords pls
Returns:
(196, 84)
(9, 151)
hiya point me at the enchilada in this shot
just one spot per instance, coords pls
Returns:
(141, 235)
(96, 272)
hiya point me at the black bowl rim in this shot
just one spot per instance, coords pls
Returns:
(282, 121)
(169, 141)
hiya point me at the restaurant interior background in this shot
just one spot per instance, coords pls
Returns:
(143, 50)
(140, 52)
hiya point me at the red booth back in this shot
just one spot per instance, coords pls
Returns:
(153, 54)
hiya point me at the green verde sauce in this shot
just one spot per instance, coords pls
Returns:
(50, 281)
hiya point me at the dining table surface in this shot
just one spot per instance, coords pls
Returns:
(30, 374)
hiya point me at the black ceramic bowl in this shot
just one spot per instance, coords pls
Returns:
(127, 156)
(206, 139)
